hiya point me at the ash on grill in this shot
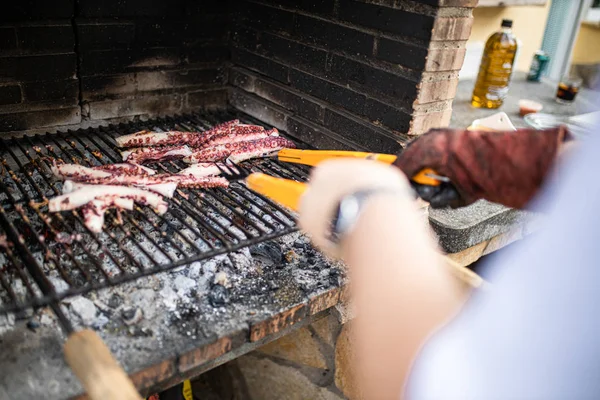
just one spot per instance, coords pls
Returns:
(190, 298)
(215, 251)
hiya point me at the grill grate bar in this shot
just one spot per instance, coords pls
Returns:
(80, 222)
(58, 248)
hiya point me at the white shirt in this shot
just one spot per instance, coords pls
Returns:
(536, 334)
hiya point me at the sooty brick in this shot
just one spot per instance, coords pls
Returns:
(38, 67)
(102, 62)
(192, 77)
(207, 53)
(51, 37)
(450, 3)
(266, 18)
(407, 55)
(8, 39)
(320, 7)
(51, 90)
(365, 135)
(333, 36)
(39, 119)
(173, 32)
(293, 53)
(387, 19)
(129, 8)
(261, 64)
(316, 135)
(113, 35)
(28, 10)
(373, 80)
(387, 115)
(242, 79)
(10, 94)
(294, 102)
(245, 37)
(330, 92)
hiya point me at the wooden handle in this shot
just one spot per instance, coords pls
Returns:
(314, 157)
(97, 370)
(469, 278)
(284, 191)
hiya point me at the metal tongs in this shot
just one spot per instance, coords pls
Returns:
(426, 176)
(288, 192)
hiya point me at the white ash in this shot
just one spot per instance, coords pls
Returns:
(19, 289)
(242, 260)
(7, 322)
(84, 309)
(221, 279)
(169, 297)
(59, 284)
(183, 284)
(194, 270)
(175, 306)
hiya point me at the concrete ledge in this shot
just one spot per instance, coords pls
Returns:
(466, 227)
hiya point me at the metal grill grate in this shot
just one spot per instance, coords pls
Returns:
(53, 256)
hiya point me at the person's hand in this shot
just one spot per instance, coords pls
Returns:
(503, 167)
(330, 181)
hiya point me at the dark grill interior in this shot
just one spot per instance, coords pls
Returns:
(55, 256)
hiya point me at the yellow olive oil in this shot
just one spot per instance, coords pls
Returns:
(496, 68)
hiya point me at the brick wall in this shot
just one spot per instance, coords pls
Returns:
(348, 74)
(351, 74)
(151, 57)
(64, 62)
(38, 83)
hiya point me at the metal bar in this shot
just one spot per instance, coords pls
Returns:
(76, 216)
(196, 216)
(205, 222)
(119, 227)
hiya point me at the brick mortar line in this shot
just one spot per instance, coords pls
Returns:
(334, 82)
(335, 108)
(76, 48)
(400, 38)
(408, 6)
(387, 100)
(149, 94)
(207, 66)
(374, 63)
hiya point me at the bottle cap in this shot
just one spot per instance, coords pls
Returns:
(507, 23)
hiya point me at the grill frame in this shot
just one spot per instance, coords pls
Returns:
(85, 146)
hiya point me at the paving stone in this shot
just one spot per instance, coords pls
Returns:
(344, 374)
(299, 347)
(267, 380)
(327, 328)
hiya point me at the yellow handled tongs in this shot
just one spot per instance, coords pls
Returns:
(286, 192)
(426, 176)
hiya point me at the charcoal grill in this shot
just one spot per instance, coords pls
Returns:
(53, 256)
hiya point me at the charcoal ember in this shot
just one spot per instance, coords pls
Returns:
(132, 316)
(269, 250)
(218, 295)
(114, 301)
(32, 325)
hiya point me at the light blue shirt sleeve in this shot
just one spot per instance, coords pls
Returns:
(536, 334)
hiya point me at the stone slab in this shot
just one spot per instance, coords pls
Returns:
(466, 227)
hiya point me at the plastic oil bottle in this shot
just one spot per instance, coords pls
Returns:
(496, 68)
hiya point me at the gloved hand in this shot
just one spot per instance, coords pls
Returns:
(502, 167)
(331, 180)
